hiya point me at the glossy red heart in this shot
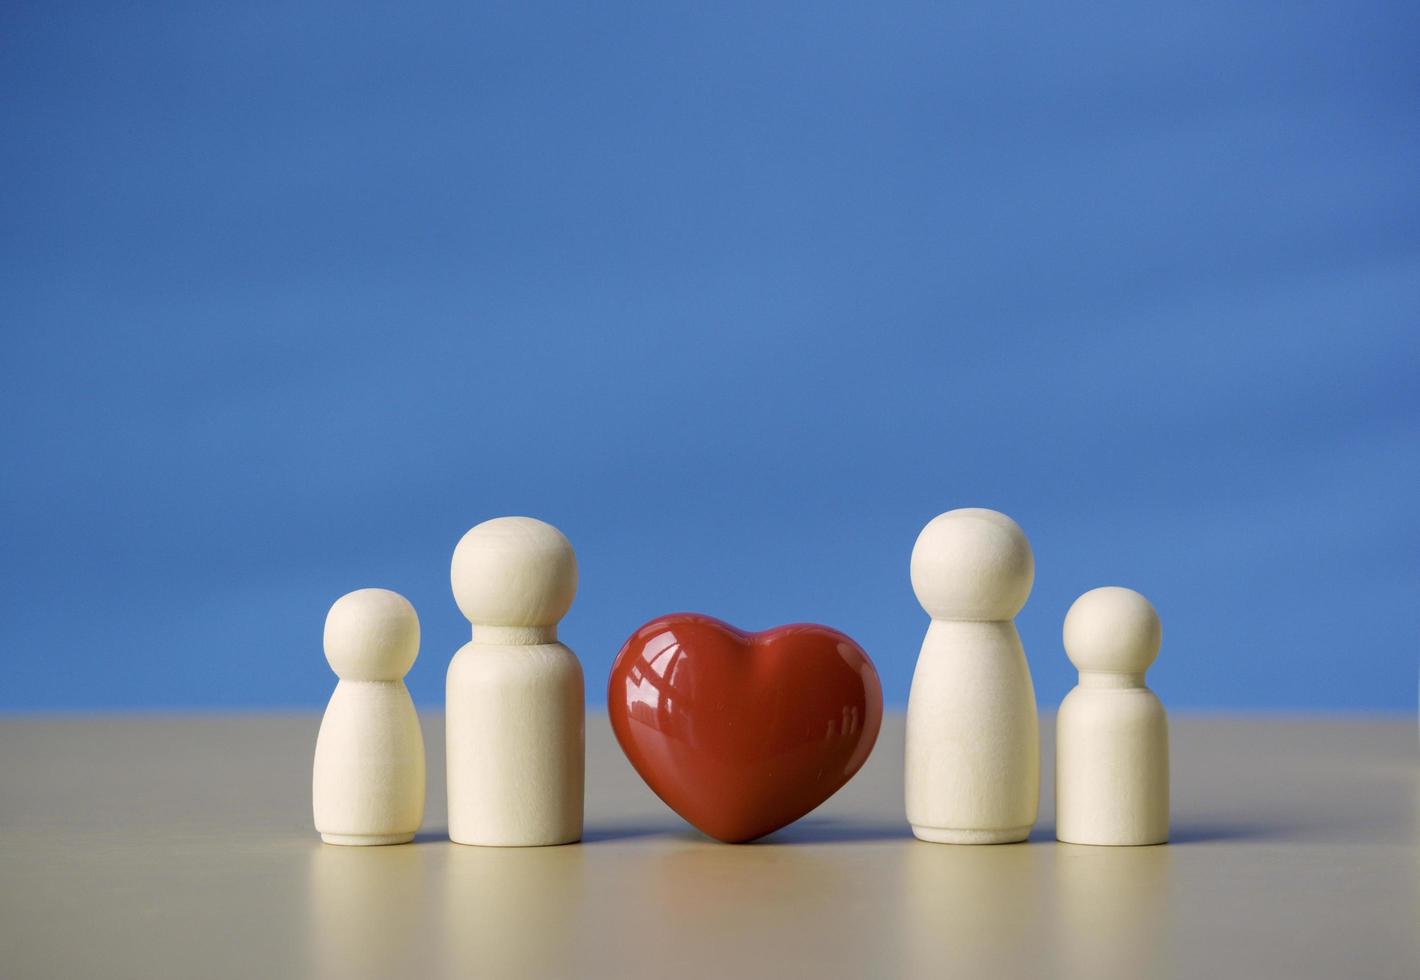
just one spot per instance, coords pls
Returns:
(743, 733)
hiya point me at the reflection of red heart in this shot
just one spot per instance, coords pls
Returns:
(742, 733)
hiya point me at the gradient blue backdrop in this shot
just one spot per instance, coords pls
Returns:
(738, 296)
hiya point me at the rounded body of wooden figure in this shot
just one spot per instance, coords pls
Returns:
(1112, 763)
(973, 738)
(367, 785)
(515, 720)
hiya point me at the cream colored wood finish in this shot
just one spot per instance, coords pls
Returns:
(367, 784)
(515, 697)
(973, 743)
(1112, 735)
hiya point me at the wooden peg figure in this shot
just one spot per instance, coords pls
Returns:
(514, 714)
(972, 760)
(368, 781)
(1111, 738)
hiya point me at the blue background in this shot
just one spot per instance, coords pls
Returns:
(737, 295)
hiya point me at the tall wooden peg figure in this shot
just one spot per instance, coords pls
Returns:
(514, 702)
(973, 743)
(1111, 737)
(368, 782)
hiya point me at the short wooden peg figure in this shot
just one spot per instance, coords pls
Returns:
(1111, 736)
(368, 782)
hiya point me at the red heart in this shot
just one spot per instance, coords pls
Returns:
(743, 733)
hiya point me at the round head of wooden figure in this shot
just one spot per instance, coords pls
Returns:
(514, 572)
(972, 564)
(1112, 630)
(371, 635)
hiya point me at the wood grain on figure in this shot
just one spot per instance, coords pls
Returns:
(1111, 736)
(973, 743)
(514, 695)
(367, 786)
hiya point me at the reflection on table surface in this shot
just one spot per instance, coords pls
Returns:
(644, 907)
(184, 848)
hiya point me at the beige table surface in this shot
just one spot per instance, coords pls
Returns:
(173, 846)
